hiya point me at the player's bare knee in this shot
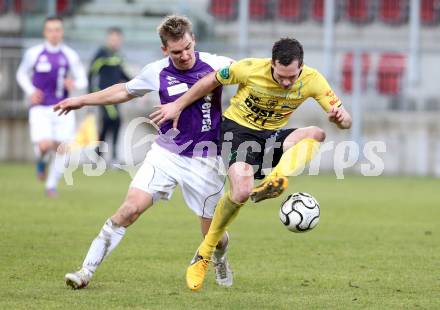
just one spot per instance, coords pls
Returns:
(319, 134)
(241, 193)
(45, 146)
(316, 133)
(53, 145)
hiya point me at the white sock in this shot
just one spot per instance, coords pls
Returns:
(56, 169)
(107, 239)
(220, 252)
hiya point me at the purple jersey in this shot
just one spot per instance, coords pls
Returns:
(199, 124)
(49, 73)
(45, 67)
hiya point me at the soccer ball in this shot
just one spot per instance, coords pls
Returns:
(299, 212)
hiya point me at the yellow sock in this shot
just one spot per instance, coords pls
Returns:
(296, 158)
(224, 214)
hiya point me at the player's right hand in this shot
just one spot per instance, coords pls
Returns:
(67, 105)
(340, 117)
(37, 97)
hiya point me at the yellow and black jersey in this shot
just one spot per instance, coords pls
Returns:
(261, 103)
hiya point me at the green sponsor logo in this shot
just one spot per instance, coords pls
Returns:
(232, 156)
(224, 73)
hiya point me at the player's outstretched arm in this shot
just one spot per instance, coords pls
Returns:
(172, 110)
(111, 95)
(340, 117)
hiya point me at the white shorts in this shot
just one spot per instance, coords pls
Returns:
(199, 179)
(45, 124)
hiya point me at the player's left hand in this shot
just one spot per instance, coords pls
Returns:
(166, 112)
(340, 117)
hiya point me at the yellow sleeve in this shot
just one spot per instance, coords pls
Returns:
(236, 73)
(323, 93)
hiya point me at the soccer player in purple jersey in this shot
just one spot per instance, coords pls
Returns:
(47, 73)
(190, 160)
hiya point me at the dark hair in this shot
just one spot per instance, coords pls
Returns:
(114, 30)
(173, 28)
(286, 50)
(52, 18)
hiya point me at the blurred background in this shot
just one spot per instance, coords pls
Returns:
(382, 58)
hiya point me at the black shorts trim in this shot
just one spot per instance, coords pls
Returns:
(260, 148)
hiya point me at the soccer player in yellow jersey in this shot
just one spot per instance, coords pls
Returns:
(269, 91)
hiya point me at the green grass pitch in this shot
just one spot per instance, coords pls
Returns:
(377, 246)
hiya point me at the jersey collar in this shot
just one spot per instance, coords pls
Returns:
(52, 48)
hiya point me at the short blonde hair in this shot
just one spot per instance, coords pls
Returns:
(174, 27)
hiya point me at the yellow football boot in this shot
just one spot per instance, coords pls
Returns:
(271, 187)
(195, 273)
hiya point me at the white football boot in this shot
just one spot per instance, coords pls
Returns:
(223, 271)
(79, 279)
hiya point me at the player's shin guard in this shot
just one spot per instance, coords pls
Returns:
(225, 213)
(107, 239)
(295, 158)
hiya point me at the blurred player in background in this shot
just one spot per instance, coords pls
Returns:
(172, 161)
(106, 70)
(47, 73)
(269, 91)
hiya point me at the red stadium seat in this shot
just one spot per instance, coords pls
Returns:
(291, 10)
(18, 6)
(393, 11)
(430, 12)
(317, 10)
(347, 71)
(223, 9)
(3, 7)
(359, 11)
(390, 73)
(63, 7)
(22, 6)
(259, 9)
